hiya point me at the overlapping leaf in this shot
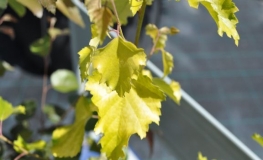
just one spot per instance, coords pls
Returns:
(117, 63)
(33, 6)
(102, 17)
(17, 7)
(95, 38)
(7, 109)
(84, 61)
(173, 90)
(120, 117)
(223, 13)
(67, 140)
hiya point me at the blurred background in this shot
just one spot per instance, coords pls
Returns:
(224, 79)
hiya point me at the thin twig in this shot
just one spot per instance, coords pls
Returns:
(1, 128)
(20, 156)
(140, 21)
(118, 19)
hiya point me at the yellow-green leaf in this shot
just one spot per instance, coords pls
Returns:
(17, 7)
(120, 117)
(223, 13)
(64, 81)
(7, 109)
(30, 147)
(168, 63)
(33, 6)
(50, 5)
(173, 90)
(102, 17)
(95, 38)
(70, 11)
(123, 8)
(159, 36)
(117, 63)
(84, 61)
(258, 138)
(135, 5)
(201, 157)
(41, 46)
(67, 140)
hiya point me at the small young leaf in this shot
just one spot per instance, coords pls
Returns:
(7, 109)
(41, 46)
(201, 157)
(71, 11)
(33, 6)
(84, 62)
(50, 5)
(168, 63)
(258, 138)
(173, 90)
(117, 63)
(64, 81)
(159, 36)
(223, 13)
(102, 17)
(120, 117)
(17, 7)
(67, 140)
(31, 147)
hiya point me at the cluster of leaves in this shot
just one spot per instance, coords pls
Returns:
(125, 96)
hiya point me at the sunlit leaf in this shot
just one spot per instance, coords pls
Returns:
(173, 90)
(201, 157)
(258, 138)
(64, 81)
(159, 36)
(50, 5)
(102, 17)
(31, 147)
(120, 117)
(135, 5)
(33, 6)
(168, 63)
(67, 140)
(41, 46)
(223, 12)
(95, 38)
(7, 109)
(84, 61)
(71, 11)
(17, 7)
(117, 62)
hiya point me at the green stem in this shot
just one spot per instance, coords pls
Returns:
(139, 25)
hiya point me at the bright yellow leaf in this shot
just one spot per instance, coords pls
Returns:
(120, 117)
